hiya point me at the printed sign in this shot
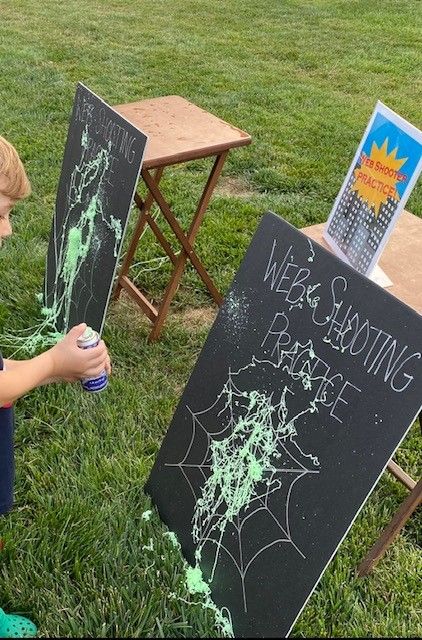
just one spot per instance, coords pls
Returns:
(307, 383)
(377, 186)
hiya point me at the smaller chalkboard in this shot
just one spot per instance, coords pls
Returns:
(100, 171)
(307, 383)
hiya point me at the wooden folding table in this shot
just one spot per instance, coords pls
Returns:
(401, 262)
(178, 131)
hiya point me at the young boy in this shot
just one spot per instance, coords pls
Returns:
(63, 362)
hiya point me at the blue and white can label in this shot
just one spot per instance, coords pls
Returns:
(87, 340)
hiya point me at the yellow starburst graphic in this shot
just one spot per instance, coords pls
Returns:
(378, 175)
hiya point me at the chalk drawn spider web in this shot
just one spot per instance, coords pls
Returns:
(242, 463)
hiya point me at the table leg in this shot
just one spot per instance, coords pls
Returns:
(401, 475)
(144, 208)
(408, 506)
(185, 254)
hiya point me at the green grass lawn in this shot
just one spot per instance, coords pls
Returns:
(302, 78)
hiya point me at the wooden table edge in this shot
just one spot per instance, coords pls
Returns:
(200, 154)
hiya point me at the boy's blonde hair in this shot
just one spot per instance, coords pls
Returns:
(17, 185)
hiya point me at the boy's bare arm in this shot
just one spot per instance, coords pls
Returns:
(63, 362)
(20, 376)
(11, 365)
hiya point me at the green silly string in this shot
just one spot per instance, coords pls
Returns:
(197, 586)
(244, 465)
(76, 243)
(194, 584)
(173, 539)
(239, 463)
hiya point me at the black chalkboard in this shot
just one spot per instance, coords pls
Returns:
(308, 382)
(101, 166)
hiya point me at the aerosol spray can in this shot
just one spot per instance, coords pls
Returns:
(87, 340)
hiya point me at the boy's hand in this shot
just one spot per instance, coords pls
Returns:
(70, 363)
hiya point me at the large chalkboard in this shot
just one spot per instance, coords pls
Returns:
(101, 165)
(308, 382)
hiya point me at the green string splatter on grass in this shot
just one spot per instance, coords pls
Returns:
(173, 539)
(195, 581)
(149, 546)
(196, 585)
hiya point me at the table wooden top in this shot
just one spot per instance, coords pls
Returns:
(401, 259)
(179, 131)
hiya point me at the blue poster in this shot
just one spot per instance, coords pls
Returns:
(377, 186)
